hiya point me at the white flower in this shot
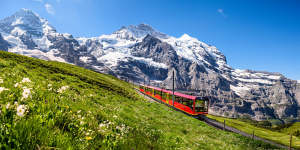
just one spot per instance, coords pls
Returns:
(49, 85)
(21, 109)
(3, 89)
(17, 84)
(25, 80)
(81, 122)
(78, 111)
(62, 89)
(7, 105)
(115, 116)
(26, 93)
(102, 125)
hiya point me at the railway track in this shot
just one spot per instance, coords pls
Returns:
(220, 126)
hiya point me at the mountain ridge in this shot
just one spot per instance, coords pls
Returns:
(142, 53)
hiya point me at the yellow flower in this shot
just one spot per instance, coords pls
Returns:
(88, 138)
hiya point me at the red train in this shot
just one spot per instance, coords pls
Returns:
(189, 104)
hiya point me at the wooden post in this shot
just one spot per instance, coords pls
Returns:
(173, 97)
(253, 135)
(224, 125)
(291, 137)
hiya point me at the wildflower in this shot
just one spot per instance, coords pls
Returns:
(81, 122)
(26, 93)
(25, 80)
(16, 85)
(3, 89)
(115, 116)
(7, 105)
(101, 125)
(21, 109)
(78, 111)
(88, 138)
(50, 87)
(62, 89)
(1, 80)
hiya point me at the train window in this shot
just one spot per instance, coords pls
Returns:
(184, 101)
(156, 92)
(201, 105)
(164, 96)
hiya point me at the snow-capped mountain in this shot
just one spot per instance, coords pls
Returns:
(142, 53)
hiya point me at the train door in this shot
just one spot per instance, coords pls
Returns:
(153, 92)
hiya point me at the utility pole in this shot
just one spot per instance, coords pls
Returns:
(173, 97)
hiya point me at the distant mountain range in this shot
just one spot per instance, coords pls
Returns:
(142, 53)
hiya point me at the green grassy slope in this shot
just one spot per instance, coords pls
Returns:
(292, 129)
(47, 105)
(282, 137)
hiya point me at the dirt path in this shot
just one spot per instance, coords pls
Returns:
(219, 125)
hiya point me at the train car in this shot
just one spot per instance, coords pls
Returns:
(189, 104)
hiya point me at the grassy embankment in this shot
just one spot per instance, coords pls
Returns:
(281, 136)
(48, 105)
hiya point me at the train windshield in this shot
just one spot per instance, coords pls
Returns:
(201, 105)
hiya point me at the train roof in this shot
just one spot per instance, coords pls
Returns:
(175, 93)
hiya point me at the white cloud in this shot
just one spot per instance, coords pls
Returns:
(49, 9)
(221, 11)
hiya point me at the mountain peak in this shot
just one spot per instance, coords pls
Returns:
(26, 13)
(144, 27)
(138, 31)
(25, 10)
(25, 21)
(186, 37)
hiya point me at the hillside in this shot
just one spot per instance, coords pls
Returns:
(47, 104)
(292, 129)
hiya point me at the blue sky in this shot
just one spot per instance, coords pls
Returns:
(253, 34)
